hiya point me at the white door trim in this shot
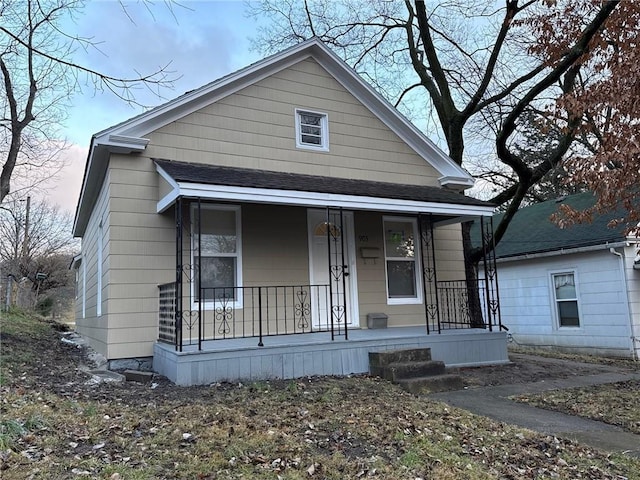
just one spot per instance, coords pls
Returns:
(353, 315)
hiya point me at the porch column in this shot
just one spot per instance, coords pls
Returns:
(429, 276)
(179, 266)
(492, 296)
(337, 271)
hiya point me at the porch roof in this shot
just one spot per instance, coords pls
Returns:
(242, 184)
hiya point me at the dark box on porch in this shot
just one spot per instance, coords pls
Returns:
(377, 320)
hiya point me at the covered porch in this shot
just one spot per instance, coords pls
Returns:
(303, 355)
(278, 283)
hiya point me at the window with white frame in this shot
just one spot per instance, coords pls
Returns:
(401, 260)
(99, 272)
(312, 130)
(84, 288)
(217, 254)
(566, 299)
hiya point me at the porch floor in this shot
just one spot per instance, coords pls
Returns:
(294, 356)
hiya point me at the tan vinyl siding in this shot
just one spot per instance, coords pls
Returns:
(274, 245)
(255, 128)
(142, 255)
(372, 290)
(449, 253)
(163, 188)
(93, 327)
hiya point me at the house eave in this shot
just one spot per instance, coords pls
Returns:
(561, 251)
(316, 199)
(456, 182)
(452, 175)
(95, 170)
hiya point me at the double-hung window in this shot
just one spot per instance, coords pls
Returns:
(401, 260)
(217, 254)
(312, 130)
(566, 299)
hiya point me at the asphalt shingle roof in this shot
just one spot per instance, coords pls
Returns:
(243, 177)
(532, 231)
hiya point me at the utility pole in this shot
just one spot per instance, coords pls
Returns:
(25, 241)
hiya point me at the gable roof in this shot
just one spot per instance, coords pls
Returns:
(129, 136)
(264, 179)
(531, 230)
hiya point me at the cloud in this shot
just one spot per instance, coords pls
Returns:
(204, 41)
(64, 188)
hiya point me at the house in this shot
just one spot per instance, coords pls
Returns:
(575, 289)
(255, 227)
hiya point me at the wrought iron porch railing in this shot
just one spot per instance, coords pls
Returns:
(459, 308)
(249, 312)
(167, 313)
(258, 312)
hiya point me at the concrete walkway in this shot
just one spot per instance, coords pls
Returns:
(493, 402)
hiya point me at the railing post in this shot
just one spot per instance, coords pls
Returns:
(200, 299)
(330, 311)
(178, 308)
(345, 273)
(260, 344)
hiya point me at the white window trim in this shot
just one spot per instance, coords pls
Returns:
(552, 286)
(84, 288)
(418, 265)
(99, 273)
(211, 305)
(324, 145)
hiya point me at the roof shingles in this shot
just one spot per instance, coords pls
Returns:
(243, 177)
(532, 231)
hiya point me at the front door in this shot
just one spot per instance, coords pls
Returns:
(332, 269)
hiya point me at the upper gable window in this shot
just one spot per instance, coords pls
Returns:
(312, 130)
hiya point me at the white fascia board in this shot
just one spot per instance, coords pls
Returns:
(166, 201)
(76, 261)
(95, 168)
(124, 144)
(561, 251)
(316, 199)
(457, 181)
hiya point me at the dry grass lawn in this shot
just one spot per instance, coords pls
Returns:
(55, 425)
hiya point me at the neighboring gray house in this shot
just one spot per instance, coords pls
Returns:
(575, 289)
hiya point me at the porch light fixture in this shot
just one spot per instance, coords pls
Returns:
(321, 229)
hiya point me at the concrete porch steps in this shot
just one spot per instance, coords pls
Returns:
(414, 370)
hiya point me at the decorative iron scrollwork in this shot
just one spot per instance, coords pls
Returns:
(338, 313)
(224, 313)
(302, 309)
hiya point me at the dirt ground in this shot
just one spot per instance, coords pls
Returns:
(59, 423)
(527, 367)
(62, 370)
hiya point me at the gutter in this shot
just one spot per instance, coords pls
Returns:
(632, 345)
(562, 251)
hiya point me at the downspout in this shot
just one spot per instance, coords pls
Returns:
(634, 354)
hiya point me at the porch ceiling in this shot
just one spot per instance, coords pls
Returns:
(248, 185)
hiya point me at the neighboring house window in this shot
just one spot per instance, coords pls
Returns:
(220, 258)
(566, 298)
(312, 130)
(401, 261)
(99, 287)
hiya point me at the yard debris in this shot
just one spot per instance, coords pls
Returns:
(356, 427)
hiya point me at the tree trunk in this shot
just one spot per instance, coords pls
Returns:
(471, 277)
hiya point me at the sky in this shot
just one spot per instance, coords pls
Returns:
(199, 40)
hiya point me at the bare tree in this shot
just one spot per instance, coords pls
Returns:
(472, 66)
(33, 239)
(38, 79)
